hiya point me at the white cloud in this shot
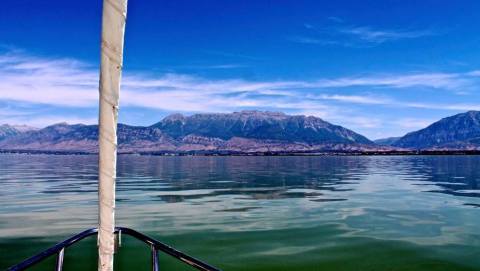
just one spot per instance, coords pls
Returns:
(67, 83)
(445, 106)
(361, 122)
(474, 73)
(314, 40)
(64, 82)
(213, 67)
(355, 99)
(335, 19)
(450, 81)
(43, 121)
(47, 81)
(378, 100)
(370, 34)
(413, 123)
(338, 33)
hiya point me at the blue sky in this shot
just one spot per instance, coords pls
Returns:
(381, 68)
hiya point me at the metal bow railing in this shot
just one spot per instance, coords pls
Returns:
(155, 247)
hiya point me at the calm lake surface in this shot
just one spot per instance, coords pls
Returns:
(253, 213)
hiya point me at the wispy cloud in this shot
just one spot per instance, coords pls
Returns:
(315, 40)
(378, 100)
(49, 81)
(357, 99)
(413, 123)
(460, 82)
(363, 122)
(213, 67)
(474, 73)
(232, 55)
(335, 19)
(43, 121)
(371, 35)
(339, 33)
(36, 117)
(68, 83)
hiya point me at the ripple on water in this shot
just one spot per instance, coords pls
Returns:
(257, 209)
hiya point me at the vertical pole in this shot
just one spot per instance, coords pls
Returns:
(113, 28)
(59, 261)
(154, 253)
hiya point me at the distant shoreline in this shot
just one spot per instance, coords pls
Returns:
(230, 153)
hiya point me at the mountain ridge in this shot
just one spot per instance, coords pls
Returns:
(244, 131)
(259, 125)
(7, 130)
(460, 131)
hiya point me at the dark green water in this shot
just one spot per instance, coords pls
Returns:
(253, 213)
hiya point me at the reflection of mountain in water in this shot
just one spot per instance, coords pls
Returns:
(297, 177)
(454, 175)
(369, 197)
(252, 177)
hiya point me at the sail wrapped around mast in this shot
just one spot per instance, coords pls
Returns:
(113, 29)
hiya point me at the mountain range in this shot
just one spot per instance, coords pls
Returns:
(7, 130)
(458, 132)
(242, 132)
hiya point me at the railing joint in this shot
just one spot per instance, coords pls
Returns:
(59, 261)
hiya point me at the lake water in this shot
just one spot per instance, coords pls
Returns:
(253, 213)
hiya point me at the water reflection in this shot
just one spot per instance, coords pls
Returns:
(420, 199)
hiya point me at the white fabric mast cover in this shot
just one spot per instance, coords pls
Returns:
(113, 28)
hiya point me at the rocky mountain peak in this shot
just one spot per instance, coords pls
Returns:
(174, 117)
(461, 131)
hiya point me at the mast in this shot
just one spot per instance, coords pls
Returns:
(113, 28)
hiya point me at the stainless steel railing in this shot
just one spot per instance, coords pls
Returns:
(155, 247)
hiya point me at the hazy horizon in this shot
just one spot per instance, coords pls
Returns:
(379, 69)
